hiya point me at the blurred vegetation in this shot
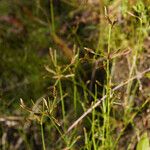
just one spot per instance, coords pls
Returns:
(48, 50)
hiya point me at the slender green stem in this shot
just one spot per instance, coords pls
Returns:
(93, 122)
(108, 89)
(75, 96)
(52, 16)
(62, 99)
(133, 69)
(106, 104)
(42, 132)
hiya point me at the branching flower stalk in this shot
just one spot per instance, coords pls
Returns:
(106, 104)
(108, 89)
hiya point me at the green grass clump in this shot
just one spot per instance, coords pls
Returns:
(74, 74)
